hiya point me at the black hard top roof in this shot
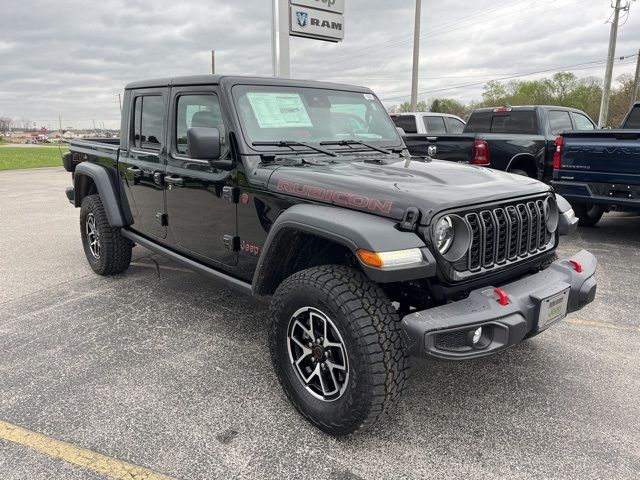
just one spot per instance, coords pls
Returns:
(238, 79)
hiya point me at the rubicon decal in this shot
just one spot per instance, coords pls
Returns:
(338, 198)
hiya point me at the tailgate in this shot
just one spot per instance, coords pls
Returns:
(613, 152)
(453, 147)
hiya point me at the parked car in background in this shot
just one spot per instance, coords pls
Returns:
(518, 140)
(599, 171)
(428, 123)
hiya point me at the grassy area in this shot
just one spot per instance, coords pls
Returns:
(12, 158)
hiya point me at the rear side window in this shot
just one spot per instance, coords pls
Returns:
(201, 110)
(633, 121)
(405, 122)
(148, 122)
(434, 125)
(582, 122)
(559, 122)
(455, 125)
(524, 122)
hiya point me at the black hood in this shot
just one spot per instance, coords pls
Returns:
(388, 189)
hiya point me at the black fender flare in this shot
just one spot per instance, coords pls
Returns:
(106, 189)
(351, 229)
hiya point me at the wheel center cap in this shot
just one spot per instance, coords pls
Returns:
(318, 352)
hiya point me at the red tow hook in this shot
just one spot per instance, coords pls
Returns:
(577, 266)
(503, 298)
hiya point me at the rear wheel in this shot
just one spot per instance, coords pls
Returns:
(588, 214)
(107, 251)
(336, 348)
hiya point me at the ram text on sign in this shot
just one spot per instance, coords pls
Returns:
(336, 6)
(312, 23)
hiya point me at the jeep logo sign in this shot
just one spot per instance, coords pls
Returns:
(335, 6)
(319, 24)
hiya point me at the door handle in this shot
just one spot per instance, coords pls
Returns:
(175, 181)
(135, 171)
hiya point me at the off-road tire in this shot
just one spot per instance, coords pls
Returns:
(369, 326)
(588, 214)
(115, 250)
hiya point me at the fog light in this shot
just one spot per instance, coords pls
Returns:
(477, 335)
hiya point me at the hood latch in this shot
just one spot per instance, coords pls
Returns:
(410, 220)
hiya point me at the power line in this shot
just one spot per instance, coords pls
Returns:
(436, 31)
(566, 67)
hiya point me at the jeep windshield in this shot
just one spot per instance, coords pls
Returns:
(273, 114)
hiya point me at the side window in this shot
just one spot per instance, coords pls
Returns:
(434, 125)
(582, 122)
(148, 122)
(455, 125)
(633, 120)
(197, 110)
(559, 121)
(405, 122)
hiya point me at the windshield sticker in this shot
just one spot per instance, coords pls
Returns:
(368, 96)
(279, 110)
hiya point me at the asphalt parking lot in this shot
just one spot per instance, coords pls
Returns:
(168, 371)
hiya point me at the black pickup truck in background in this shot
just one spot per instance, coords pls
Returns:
(600, 171)
(518, 140)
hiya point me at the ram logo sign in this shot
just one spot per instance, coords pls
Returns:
(302, 18)
(318, 24)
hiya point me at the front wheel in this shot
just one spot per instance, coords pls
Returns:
(336, 348)
(588, 214)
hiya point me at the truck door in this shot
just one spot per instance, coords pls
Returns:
(141, 165)
(200, 199)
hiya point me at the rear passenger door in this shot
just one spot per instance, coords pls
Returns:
(434, 125)
(200, 199)
(141, 165)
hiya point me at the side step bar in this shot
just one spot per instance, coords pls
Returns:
(237, 284)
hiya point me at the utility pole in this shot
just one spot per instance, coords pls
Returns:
(636, 82)
(280, 38)
(120, 103)
(613, 37)
(416, 58)
(213, 62)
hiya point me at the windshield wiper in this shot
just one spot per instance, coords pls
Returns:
(292, 143)
(356, 142)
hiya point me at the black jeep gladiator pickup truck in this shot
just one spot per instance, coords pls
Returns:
(367, 254)
(518, 140)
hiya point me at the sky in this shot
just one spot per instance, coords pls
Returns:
(71, 58)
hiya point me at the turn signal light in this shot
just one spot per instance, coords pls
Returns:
(397, 258)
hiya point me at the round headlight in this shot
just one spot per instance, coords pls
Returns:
(444, 234)
(551, 214)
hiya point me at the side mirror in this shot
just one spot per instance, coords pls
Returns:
(203, 143)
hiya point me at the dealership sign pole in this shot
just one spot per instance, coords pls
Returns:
(316, 19)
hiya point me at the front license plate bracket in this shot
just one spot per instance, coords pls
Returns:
(553, 309)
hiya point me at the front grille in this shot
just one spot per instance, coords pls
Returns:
(504, 234)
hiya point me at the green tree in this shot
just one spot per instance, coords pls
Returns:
(494, 93)
(449, 105)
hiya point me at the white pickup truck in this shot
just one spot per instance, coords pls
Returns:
(428, 123)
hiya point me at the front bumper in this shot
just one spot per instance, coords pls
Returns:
(442, 332)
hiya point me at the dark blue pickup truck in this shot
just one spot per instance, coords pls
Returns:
(599, 171)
